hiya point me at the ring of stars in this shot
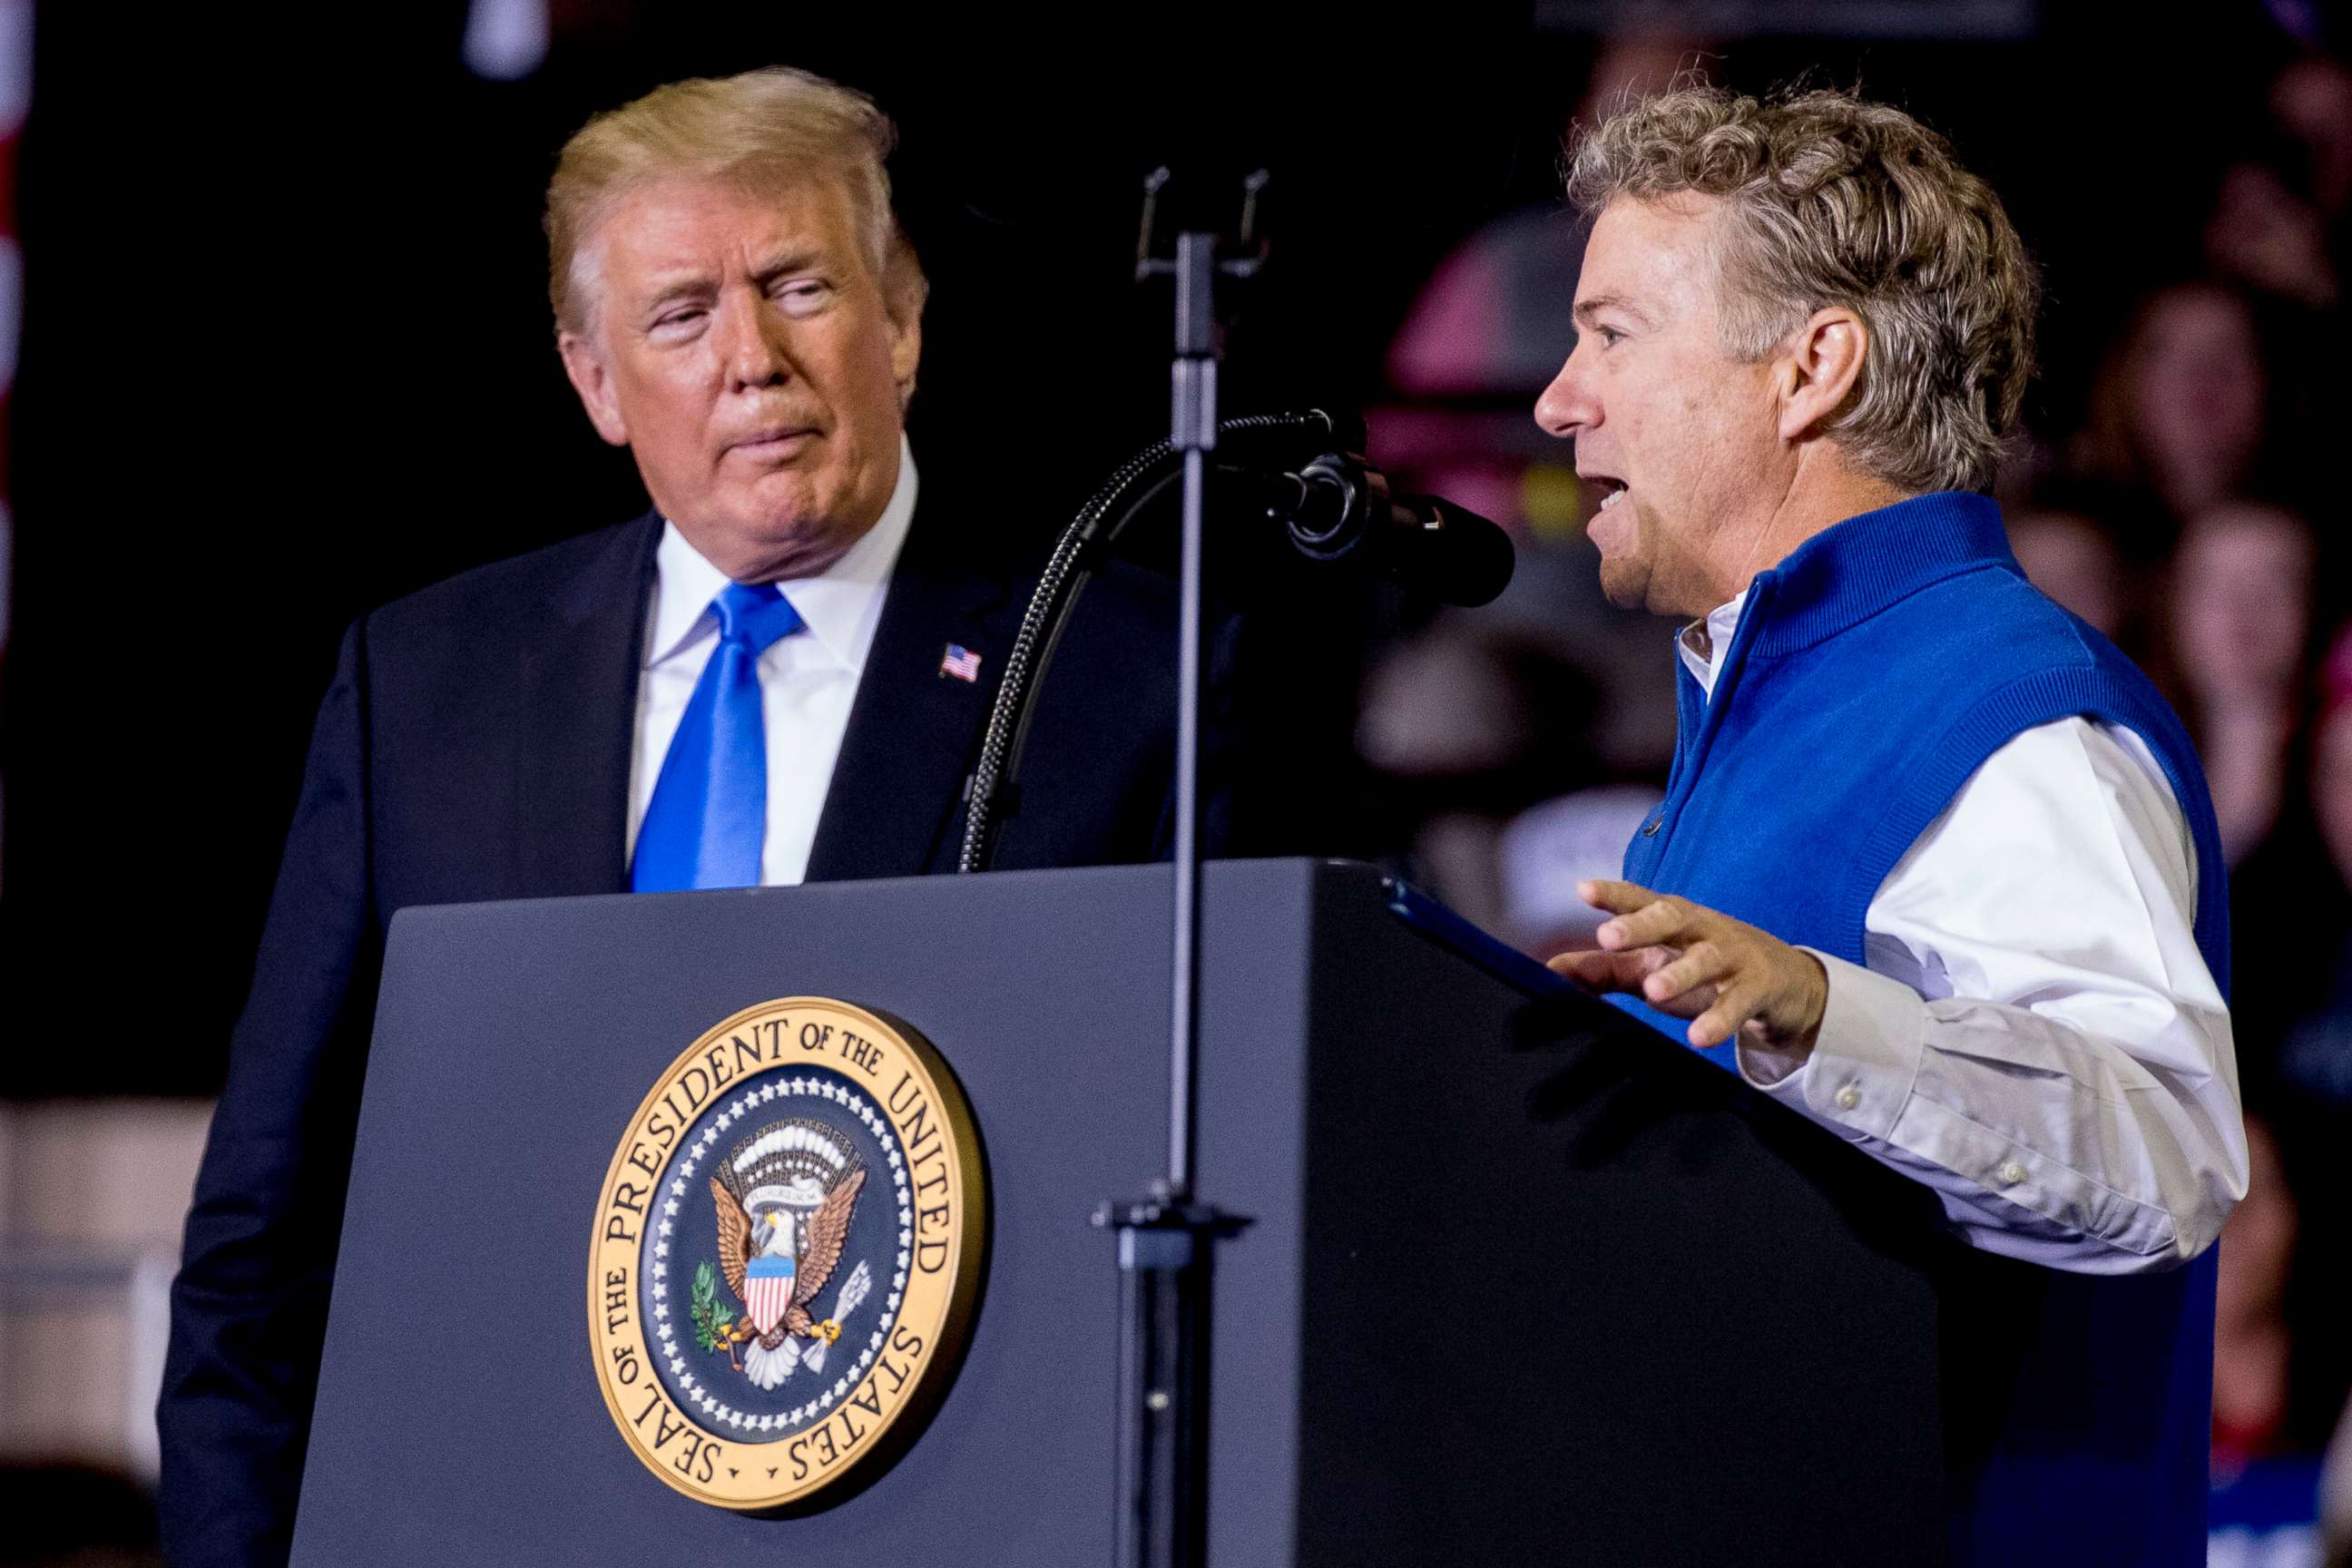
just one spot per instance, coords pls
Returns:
(690, 1389)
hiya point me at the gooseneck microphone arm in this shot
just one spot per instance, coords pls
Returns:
(1333, 507)
(992, 792)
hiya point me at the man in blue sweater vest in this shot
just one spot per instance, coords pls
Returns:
(1935, 868)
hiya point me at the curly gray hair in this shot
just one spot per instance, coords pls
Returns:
(1830, 200)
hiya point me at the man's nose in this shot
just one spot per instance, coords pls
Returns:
(1566, 408)
(751, 340)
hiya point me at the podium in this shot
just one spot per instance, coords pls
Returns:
(1525, 1283)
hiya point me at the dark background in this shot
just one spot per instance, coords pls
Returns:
(286, 350)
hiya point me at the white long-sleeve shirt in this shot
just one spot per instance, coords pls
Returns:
(2033, 1032)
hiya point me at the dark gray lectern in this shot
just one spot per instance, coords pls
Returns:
(1525, 1282)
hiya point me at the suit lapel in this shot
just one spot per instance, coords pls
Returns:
(579, 686)
(899, 781)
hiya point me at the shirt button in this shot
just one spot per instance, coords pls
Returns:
(1650, 829)
(2010, 1173)
(1848, 1098)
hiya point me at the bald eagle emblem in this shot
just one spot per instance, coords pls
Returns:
(785, 1196)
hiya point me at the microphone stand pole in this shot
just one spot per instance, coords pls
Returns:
(1166, 1240)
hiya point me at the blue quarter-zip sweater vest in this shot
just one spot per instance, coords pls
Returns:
(1873, 672)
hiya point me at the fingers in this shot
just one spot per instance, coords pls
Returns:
(1617, 898)
(1600, 974)
(1781, 1004)
(1687, 960)
(1596, 974)
(1702, 962)
(1732, 1009)
(1644, 918)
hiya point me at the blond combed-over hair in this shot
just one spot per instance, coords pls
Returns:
(1831, 200)
(763, 131)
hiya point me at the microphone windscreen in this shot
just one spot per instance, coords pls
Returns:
(1465, 560)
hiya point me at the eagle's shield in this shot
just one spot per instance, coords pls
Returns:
(768, 1289)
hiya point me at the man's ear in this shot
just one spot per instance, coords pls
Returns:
(583, 363)
(1820, 363)
(903, 291)
(906, 353)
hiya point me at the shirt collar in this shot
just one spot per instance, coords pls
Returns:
(841, 605)
(1717, 629)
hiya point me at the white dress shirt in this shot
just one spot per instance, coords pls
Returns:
(2035, 1035)
(807, 680)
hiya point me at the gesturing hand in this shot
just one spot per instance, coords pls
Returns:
(1692, 962)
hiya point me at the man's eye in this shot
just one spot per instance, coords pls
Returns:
(678, 320)
(802, 297)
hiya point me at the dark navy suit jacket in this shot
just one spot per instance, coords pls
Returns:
(475, 744)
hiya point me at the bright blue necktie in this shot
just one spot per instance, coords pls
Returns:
(710, 809)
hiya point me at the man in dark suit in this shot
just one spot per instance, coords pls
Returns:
(736, 305)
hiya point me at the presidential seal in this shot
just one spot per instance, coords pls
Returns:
(787, 1254)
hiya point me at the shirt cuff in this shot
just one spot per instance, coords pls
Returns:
(1864, 1059)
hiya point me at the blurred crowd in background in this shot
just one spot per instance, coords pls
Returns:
(377, 407)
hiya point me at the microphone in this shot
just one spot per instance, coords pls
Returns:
(1337, 505)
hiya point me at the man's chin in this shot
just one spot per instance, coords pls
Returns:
(769, 544)
(1624, 584)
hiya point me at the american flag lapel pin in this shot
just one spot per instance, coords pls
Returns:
(960, 662)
